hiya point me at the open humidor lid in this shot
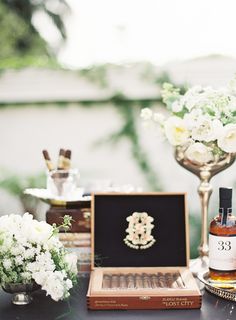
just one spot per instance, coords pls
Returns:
(155, 234)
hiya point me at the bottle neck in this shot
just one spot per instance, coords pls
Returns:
(224, 214)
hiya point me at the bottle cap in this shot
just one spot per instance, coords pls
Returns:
(225, 197)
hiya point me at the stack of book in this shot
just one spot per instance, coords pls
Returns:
(78, 238)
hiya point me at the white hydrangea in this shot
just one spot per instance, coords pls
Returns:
(43, 262)
(54, 284)
(7, 263)
(19, 260)
(29, 251)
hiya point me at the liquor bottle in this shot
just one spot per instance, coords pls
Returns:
(222, 241)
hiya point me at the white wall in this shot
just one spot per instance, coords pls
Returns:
(25, 132)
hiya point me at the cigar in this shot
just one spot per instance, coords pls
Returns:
(123, 283)
(179, 281)
(154, 281)
(161, 280)
(106, 283)
(146, 281)
(130, 281)
(114, 281)
(67, 160)
(60, 163)
(138, 281)
(170, 280)
(48, 161)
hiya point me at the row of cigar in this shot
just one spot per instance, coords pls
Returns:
(142, 281)
(63, 162)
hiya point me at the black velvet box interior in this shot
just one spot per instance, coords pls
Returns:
(110, 224)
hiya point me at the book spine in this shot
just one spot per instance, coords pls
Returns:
(126, 303)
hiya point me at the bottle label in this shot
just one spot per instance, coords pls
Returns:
(222, 252)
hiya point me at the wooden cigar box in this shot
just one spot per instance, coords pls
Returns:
(140, 253)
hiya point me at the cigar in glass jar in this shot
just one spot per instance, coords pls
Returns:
(48, 161)
(60, 163)
(67, 160)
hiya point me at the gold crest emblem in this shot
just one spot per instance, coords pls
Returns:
(139, 231)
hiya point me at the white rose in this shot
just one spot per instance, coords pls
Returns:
(227, 140)
(176, 131)
(39, 232)
(207, 129)
(146, 114)
(199, 153)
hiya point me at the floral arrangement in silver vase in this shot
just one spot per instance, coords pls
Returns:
(201, 126)
(31, 256)
(203, 120)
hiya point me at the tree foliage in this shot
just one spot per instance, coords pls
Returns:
(19, 39)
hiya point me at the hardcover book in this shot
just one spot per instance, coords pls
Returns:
(80, 244)
(140, 253)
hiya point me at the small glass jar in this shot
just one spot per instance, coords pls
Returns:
(62, 183)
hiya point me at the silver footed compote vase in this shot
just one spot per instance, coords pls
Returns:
(204, 171)
(21, 292)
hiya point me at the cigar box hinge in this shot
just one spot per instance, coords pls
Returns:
(145, 298)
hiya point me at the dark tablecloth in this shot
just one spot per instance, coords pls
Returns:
(44, 308)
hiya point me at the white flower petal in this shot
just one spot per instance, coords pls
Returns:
(227, 140)
(176, 131)
(199, 153)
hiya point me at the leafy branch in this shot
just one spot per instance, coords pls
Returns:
(65, 225)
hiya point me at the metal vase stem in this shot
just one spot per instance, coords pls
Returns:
(204, 171)
(204, 191)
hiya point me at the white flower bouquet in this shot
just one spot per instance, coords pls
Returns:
(31, 251)
(202, 121)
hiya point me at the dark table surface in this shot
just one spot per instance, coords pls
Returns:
(44, 308)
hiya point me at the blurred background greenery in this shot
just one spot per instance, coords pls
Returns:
(24, 47)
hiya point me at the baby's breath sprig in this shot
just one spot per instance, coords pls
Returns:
(65, 226)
